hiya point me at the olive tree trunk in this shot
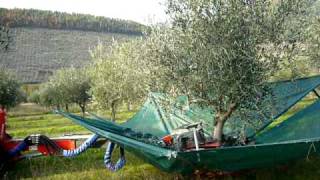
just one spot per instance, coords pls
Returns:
(218, 131)
(67, 107)
(220, 120)
(83, 108)
(113, 111)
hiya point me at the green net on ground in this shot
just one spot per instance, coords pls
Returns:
(295, 138)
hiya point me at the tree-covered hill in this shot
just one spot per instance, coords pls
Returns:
(61, 20)
(44, 41)
(36, 53)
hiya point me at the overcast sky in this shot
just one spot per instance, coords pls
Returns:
(143, 11)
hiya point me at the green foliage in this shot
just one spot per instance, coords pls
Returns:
(34, 97)
(220, 53)
(119, 75)
(10, 92)
(60, 20)
(50, 96)
(65, 87)
(313, 43)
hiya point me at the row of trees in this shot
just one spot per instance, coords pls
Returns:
(67, 86)
(116, 77)
(60, 20)
(219, 53)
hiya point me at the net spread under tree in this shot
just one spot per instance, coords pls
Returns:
(221, 53)
(142, 133)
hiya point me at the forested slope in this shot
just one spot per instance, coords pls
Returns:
(61, 20)
(36, 53)
(44, 41)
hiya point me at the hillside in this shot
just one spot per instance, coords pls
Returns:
(36, 53)
(61, 20)
(44, 41)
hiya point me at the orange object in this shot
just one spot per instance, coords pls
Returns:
(65, 144)
(168, 140)
(211, 145)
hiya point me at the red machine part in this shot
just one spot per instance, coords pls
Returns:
(3, 116)
(8, 143)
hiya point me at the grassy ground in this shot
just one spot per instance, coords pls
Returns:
(30, 119)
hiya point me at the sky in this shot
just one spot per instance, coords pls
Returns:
(143, 11)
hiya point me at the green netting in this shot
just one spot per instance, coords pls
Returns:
(142, 133)
(156, 119)
(225, 158)
(303, 125)
(284, 95)
(287, 93)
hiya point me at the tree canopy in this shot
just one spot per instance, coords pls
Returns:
(65, 87)
(10, 92)
(221, 53)
(119, 75)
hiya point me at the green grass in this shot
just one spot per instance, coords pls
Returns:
(29, 119)
(47, 124)
(89, 165)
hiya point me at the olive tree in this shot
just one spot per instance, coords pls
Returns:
(220, 53)
(75, 86)
(67, 86)
(50, 96)
(119, 75)
(34, 97)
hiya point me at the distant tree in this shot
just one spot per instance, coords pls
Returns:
(50, 96)
(119, 75)
(220, 53)
(10, 92)
(34, 97)
(67, 86)
(75, 85)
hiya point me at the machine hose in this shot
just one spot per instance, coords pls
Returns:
(19, 148)
(89, 142)
(107, 158)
